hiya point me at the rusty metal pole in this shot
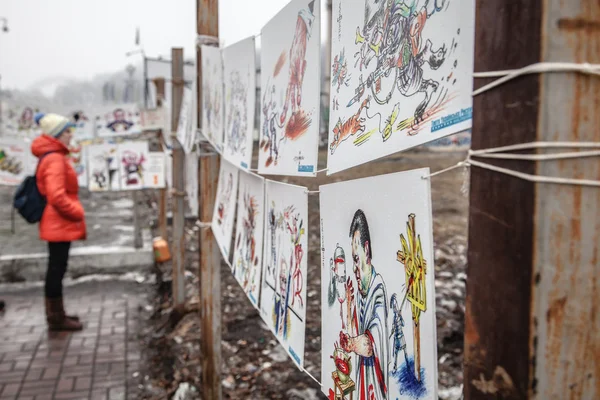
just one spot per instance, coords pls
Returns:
(210, 257)
(531, 323)
(178, 253)
(162, 193)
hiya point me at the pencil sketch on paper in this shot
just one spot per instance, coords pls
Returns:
(239, 61)
(212, 95)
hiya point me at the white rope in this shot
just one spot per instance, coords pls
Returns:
(538, 145)
(536, 178)
(312, 377)
(507, 75)
(207, 40)
(457, 165)
(203, 225)
(495, 152)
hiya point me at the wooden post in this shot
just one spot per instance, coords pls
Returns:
(531, 323)
(162, 193)
(210, 257)
(137, 228)
(178, 252)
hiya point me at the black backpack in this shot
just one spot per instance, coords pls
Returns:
(28, 200)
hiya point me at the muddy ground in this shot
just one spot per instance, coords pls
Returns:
(254, 365)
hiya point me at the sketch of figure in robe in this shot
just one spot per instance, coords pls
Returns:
(368, 337)
(281, 314)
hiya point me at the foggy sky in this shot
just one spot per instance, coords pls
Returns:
(79, 39)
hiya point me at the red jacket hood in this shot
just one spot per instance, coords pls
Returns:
(45, 144)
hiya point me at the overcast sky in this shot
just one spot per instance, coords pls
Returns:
(48, 39)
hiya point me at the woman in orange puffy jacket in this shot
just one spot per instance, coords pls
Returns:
(63, 218)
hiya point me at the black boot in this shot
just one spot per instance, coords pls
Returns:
(56, 318)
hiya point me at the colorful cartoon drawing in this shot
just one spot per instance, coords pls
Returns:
(270, 139)
(283, 288)
(290, 42)
(337, 279)
(355, 124)
(103, 168)
(405, 53)
(367, 336)
(119, 122)
(296, 231)
(415, 268)
(78, 159)
(133, 171)
(9, 164)
(369, 350)
(26, 121)
(249, 235)
(339, 71)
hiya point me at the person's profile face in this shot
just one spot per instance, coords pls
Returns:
(66, 136)
(360, 263)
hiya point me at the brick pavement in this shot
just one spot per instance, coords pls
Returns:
(96, 363)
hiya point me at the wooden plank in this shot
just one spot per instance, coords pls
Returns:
(162, 193)
(501, 207)
(210, 257)
(178, 253)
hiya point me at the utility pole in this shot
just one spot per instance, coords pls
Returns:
(178, 191)
(162, 193)
(5, 30)
(137, 229)
(531, 323)
(210, 257)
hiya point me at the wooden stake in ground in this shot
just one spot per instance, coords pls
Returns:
(178, 191)
(415, 268)
(162, 193)
(210, 257)
(531, 320)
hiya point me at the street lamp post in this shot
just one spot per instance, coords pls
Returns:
(4, 24)
(141, 51)
(5, 30)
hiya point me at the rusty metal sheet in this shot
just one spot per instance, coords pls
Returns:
(565, 343)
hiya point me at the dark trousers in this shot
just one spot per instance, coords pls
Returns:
(58, 258)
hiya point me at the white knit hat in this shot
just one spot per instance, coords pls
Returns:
(53, 124)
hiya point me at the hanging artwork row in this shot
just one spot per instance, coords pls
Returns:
(378, 329)
(18, 120)
(16, 161)
(401, 76)
(124, 166)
